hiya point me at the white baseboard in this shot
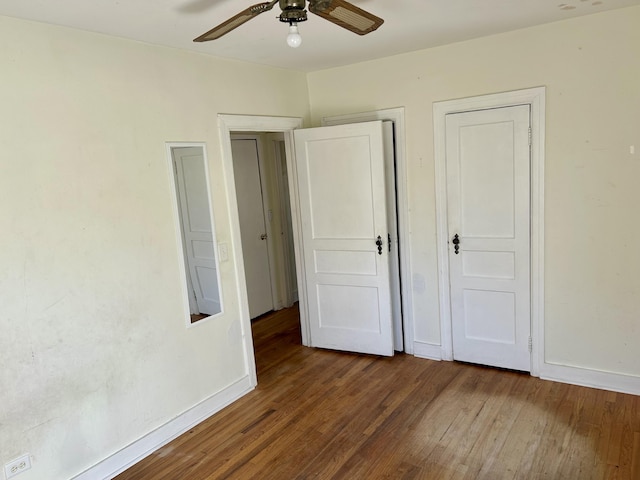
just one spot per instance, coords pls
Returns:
(615, 382)
(133, 453)
(427, 350)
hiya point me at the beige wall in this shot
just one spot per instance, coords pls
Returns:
(590, 68)
(94, 351)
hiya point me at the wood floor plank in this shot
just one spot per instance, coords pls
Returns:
(319, 414)
(635, 459)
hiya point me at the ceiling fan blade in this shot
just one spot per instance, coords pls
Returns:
(235, 21)
(346, 15)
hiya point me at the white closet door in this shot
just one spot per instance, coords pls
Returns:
(488, 187)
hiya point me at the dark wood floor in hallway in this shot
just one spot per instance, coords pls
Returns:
(319, 414)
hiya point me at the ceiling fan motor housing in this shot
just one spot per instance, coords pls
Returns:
(293, 11)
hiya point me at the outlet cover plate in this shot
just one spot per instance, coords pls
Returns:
(17, 466)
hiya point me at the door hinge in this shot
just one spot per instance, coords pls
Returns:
(530, 135)
(530, 344)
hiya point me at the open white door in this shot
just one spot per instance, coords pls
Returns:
(488, 190)
(193, 197)
(345, 237)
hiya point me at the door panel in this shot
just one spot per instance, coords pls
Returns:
(246, 171)
(342, 188)
(488, 188)
(331, 178)
(493, 216)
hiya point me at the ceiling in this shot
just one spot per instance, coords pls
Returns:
(409, 25)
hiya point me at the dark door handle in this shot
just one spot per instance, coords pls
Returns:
(456, 244)
(379, 244)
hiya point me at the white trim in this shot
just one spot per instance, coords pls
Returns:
(145, 446)
(615, 382)
(179, 237)
(397, 116)
(535, 97)
(427, 350)
(228, 124)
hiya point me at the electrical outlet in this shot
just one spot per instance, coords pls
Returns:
(17, 466)
(223, 251)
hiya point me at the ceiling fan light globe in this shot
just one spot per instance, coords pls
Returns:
(294, 40)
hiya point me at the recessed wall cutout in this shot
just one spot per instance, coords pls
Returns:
(195, 222)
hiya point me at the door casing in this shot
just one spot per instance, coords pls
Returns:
(535, 97)
(228, 124)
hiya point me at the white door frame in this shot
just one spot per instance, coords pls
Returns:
(535, 97)
(228, 124)
(397, 116)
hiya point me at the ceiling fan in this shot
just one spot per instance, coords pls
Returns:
(340, 12)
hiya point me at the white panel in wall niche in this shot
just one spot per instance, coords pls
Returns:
(489, 264)
(490, 316)
(188, 168)
(339, 307)
(350, 263)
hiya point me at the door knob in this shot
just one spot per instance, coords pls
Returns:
(263, 236)
(379, 244)
(456, 244)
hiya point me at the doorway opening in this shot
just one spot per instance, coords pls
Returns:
(259, 164)
(237, 124)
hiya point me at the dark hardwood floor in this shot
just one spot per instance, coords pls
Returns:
(323, 415)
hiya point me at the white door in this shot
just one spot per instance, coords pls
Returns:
(342, 193)
(196, 229)
(246, 171)
(488, 194)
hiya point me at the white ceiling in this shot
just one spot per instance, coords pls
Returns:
(409, 25)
